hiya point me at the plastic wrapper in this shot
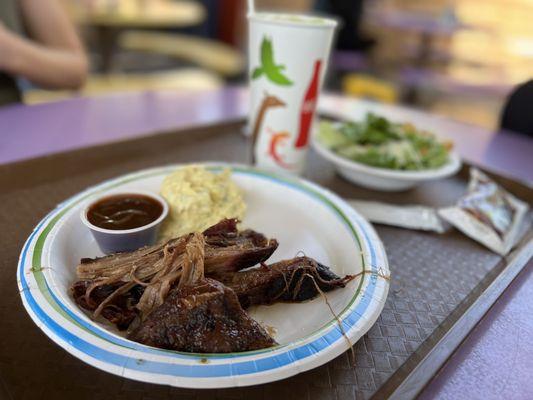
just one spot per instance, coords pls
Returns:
(488, 214)
(410, 217)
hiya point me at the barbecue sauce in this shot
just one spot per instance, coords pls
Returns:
(124, 211)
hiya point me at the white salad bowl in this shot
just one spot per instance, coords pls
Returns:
(384, 179)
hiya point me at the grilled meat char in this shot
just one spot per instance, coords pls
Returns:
(202, 318)
(201, 315)
(289, 280)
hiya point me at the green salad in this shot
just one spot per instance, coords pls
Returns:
(378, 142)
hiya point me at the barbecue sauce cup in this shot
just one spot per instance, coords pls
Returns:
(125, 221)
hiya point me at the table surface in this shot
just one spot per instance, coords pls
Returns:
(502, 343)
(443, 25)
(138, 13)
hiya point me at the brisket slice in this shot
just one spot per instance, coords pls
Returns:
(201, 315)
(227, 249)
(293, 280)
(288, 281)
(204, 318)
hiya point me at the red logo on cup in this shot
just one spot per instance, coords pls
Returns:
(308, 108)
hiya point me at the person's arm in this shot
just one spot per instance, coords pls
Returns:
(54, 57)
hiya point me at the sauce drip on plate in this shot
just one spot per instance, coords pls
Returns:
(124, 211)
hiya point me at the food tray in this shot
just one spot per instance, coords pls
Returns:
(441, 284)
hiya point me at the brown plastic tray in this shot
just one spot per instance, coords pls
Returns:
(441, 284)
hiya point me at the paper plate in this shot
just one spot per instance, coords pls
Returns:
(304, 217)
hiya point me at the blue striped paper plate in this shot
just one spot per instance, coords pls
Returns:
(303, 216)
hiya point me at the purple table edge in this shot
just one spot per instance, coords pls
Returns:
(503, 338)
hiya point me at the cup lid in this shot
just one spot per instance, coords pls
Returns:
(294, 20)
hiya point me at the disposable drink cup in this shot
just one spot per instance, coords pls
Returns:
(288, 60)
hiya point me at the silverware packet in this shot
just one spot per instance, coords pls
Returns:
(488, 214)
(411, 217)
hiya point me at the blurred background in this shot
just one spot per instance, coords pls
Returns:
(458, 58)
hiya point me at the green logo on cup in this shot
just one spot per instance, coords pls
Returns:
(268, 66)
